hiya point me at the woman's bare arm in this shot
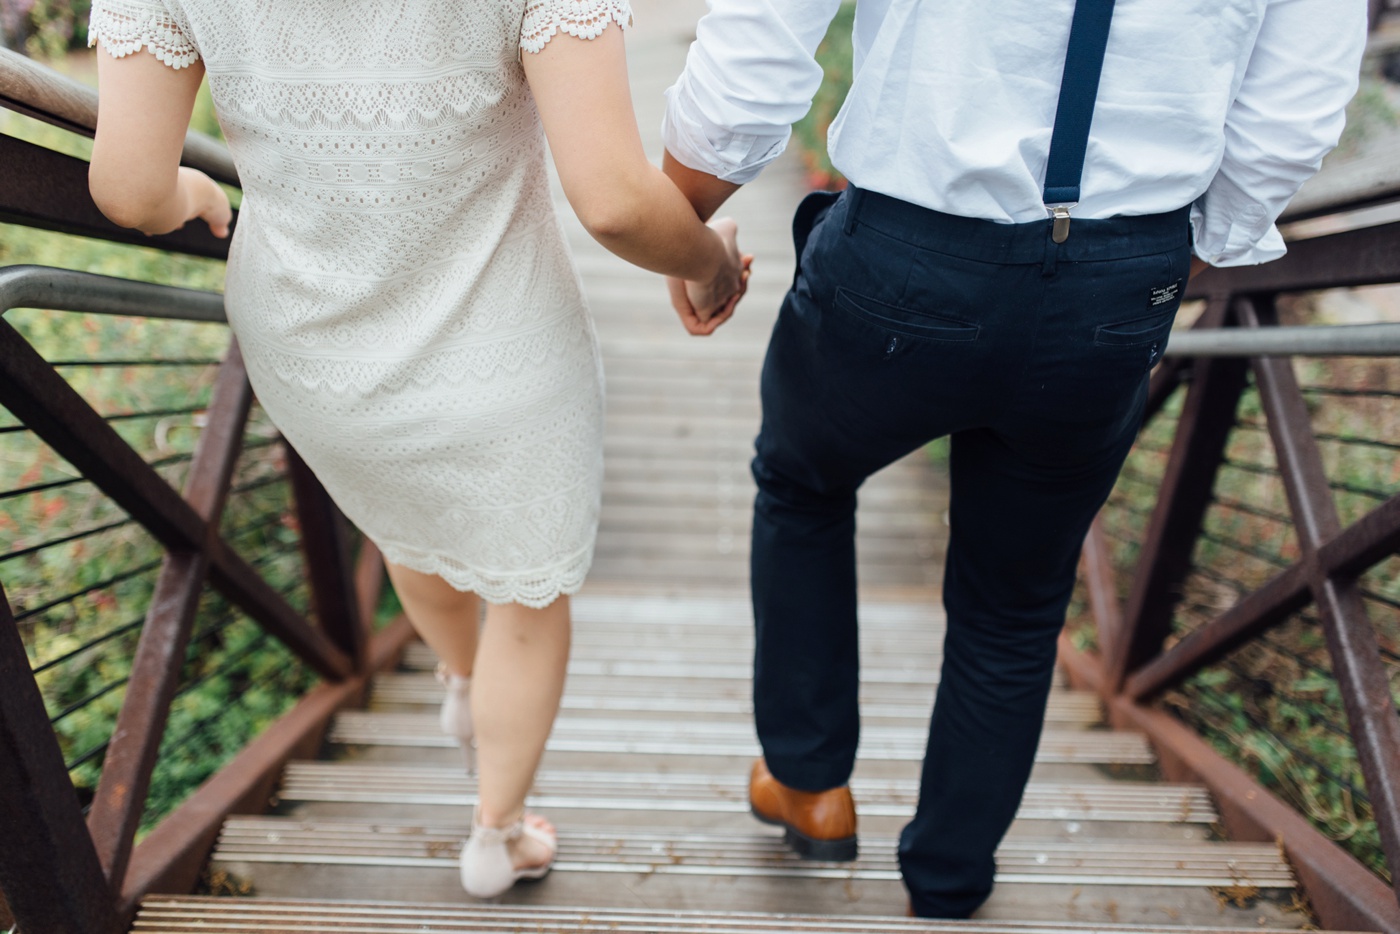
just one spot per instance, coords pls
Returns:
(625, 202)
(135, 177)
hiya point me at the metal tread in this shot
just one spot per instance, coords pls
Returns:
(1082, 707)
(163, 914)
(626, 663)
(375, 783)
(347, 842)
(736, 611)
(689, 737)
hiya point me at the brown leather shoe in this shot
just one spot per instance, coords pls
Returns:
(818, 824)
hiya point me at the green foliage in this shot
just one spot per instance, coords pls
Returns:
(44, 28)
(835, 56)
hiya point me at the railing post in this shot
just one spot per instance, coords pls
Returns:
(325, 543)
(1206, 420)
(160, 654)
(49, 868)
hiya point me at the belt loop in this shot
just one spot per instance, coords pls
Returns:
(853, 199)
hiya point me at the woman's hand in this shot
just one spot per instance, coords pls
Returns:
(703, 305)
(205, 201)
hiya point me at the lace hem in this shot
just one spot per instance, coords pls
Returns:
(126, 28)
(535, 589)
(584, 19)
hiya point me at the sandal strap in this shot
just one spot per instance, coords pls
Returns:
(539, 835)
(448, 679)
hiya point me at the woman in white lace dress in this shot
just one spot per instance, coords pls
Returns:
(406, 305)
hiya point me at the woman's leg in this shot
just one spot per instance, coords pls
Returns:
(519, 668)
(446, 618)
(515, 696)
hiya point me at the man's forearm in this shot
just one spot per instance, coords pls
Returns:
(705, 192)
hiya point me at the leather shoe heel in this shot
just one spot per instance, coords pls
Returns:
(818, 825)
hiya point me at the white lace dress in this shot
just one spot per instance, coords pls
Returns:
(399, 283)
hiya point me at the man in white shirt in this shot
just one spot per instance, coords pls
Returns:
(1004, 269)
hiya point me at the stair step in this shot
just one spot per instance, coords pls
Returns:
(736, 612)
(163, 914)
(629, 663)
(1081, 707)
(367, 842)
(597, 791)
(688, 737)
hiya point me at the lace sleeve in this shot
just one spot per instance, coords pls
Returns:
(586, 19)
(127, 26)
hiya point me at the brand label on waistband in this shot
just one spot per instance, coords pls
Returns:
(1163, 294)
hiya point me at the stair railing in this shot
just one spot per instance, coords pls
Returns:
(1179, 587)
(74, 866)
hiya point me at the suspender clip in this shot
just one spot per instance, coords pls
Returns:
(1059, 213)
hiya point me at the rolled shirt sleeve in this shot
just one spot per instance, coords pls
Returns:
(1287, 114)
(750, 75)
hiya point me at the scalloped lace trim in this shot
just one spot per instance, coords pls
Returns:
(126, 28)
(585, 19)
(537, 589)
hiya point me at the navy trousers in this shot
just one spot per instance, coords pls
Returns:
(904, 325)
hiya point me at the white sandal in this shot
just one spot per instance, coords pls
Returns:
(455, 719)
(487, 870)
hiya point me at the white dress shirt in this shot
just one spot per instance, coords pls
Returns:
(1227, 104)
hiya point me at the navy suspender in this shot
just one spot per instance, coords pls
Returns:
(1079, 88)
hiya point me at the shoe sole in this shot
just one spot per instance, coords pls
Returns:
(843, 850)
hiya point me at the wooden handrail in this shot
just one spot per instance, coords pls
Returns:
(29, 88)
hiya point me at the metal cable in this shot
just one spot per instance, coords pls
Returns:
(152, 361)
(100, 585)
(108, 636)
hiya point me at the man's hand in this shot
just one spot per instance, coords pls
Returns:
(704, 306)
(1198, 266)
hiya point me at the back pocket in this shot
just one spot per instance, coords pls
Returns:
(1148, 329)
(912, 323)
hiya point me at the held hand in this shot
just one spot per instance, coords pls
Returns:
(206, 200)
(704, 305)
(690, 318)
(1198, 266)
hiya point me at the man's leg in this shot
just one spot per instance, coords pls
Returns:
(1018, 519)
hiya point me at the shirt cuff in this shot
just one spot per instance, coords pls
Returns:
(707, 147)
(1232, 229)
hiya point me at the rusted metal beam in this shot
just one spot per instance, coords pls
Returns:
(160, 653)
(30, 88)
(1101, 582)
(1262, 609)
(1351, 639)
(49, 190)
(1359, 547)
(49, 870)
(1345, 894)
(171, 857)
(369, 582)
(1369, 256)
(1197, 449)
(40, 398)
(325, 545)
(1366, 542)
(243, 587)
